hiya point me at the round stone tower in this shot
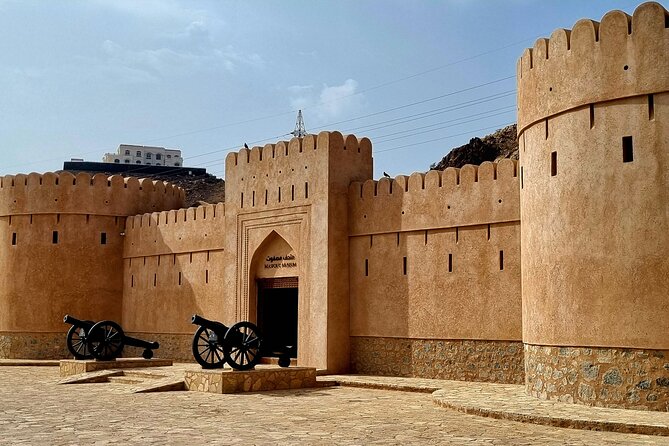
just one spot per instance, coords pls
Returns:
(593, 128)
(61, 251)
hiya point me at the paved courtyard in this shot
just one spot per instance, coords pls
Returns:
(36, 411)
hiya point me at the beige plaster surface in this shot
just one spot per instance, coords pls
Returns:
(595, 237)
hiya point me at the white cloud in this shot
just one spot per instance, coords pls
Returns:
(149, 8)
(183, 52)
(332, 102)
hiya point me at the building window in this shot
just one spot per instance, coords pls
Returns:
(139, 153)
(628, 149)
(148, 155)
(169, 156)
(158, 156)
(116, 160)
(127, 152)
(148, 164)
(176, 164)
(138, 162)
(127, 161)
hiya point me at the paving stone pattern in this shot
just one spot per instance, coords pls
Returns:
(463, 360)
(37, 411)
(610, 377)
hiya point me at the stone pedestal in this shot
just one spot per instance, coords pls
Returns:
(263, 379)
(70, 367)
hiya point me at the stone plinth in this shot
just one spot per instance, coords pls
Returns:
(70, 367)
(230, 381)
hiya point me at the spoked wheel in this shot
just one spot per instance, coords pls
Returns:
(207, 351)
(242, 346)
(105, 340)
(76, 342)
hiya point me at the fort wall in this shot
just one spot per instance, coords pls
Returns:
(435, 262)
(594, 194)
(61, 247)
(173, 266)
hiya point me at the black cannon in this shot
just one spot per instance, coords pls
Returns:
(102, 340)
(240, 345)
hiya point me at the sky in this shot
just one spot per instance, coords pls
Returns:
(78, 78)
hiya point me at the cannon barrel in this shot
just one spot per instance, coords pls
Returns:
(217, 327)
(134, 342)
(76, 322)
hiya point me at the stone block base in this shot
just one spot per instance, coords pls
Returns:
(69, 367)
(262, 379)
(463, 360)
(605, 377)
(33, 346)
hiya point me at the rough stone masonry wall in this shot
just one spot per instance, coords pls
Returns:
(611, 377)
(33, 345)
(462, 360)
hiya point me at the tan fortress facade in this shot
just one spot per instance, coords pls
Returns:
(552, 272)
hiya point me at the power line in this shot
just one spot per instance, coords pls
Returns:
(434, 98)
(433, 112)
(442, 127)
(375, 87)
(499, 126)
(373, 126)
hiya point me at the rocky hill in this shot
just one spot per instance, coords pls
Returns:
(496, 146)
(201, 189)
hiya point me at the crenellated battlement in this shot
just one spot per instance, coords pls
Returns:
(297, 147)
(620, 57)
(293, 172)
(175, 231)
(85, 194)
(455, 197)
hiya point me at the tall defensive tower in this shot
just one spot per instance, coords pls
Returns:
(61, 251)
(593, 125)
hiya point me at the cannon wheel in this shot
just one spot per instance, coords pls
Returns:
(147, 353)
(241, 345)
(207, 350)
(106, 340)
(76, 342)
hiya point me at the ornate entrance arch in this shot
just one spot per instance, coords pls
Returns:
(273, 293)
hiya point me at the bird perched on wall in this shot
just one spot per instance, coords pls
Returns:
(246, 146)
(386, 175)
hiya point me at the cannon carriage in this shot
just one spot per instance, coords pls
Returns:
(103, 341)
(240, 346)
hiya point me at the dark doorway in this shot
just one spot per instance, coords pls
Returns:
(277, 311)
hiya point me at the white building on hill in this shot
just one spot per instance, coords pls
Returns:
(147, 155)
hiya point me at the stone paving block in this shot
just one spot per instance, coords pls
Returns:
(75, 367)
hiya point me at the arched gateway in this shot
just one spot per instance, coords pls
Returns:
(273, 305)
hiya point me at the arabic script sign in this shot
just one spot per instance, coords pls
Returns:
(275, 262)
